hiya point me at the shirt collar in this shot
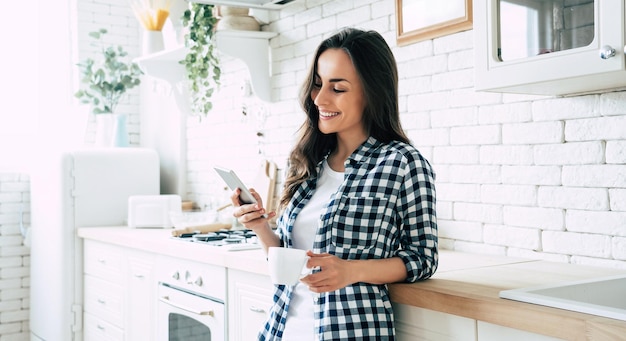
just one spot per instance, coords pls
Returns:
(363, 152)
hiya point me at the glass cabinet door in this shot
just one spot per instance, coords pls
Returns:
(549, 47)
(529, 28)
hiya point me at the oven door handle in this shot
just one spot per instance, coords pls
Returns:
(166, 300)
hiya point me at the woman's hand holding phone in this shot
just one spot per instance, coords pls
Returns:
(249, 209)
(244, 195)
(250, 215)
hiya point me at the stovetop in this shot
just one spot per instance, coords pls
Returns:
(230, 240)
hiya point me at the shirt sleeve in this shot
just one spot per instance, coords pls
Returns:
(416, 209)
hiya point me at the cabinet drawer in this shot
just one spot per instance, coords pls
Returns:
(97, 329)
(104, 299)
(104, 261)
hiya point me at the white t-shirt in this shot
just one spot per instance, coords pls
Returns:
(300, 320)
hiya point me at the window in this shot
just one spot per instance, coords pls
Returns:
(36, 68)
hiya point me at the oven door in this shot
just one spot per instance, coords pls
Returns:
(185, 316)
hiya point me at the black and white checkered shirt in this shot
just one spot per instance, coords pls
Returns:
(384, 208)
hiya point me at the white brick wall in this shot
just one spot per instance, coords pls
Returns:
(14, 257)
(521, 175)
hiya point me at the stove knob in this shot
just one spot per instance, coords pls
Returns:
(176, 275)
(198, 281)
(187, 277)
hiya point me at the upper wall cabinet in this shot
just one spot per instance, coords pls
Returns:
(549, 47)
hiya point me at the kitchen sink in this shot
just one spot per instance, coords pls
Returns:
(604, 296)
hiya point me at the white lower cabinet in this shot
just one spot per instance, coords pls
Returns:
(141, 301)
(104, 269)
(119, 293)
(419, 324)
(493, 332)
(249, 299)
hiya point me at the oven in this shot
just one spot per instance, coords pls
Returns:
(191, 299)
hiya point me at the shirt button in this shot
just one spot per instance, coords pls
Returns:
(316, 299)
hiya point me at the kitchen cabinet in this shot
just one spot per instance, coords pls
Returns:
(252, 47)
(120, 293)
(140, 303)
(549, 47)
(249, 299)
(415, 324)
(104, 291)
(493, 332)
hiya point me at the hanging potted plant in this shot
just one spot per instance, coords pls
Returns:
(201, 62)
(105, 82)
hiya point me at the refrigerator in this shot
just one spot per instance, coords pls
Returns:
(69, 190)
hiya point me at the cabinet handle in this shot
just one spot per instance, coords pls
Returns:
(256, 309)
(101, 327)
(140, 276)
(101, 301)
(607, 52)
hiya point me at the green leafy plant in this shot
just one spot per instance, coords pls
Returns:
(201, 62)
(106, 81)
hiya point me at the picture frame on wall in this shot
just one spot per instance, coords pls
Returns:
(418, 20)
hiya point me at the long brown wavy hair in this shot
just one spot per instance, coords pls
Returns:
(376, 66)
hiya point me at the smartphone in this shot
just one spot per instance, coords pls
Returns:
(233, 182)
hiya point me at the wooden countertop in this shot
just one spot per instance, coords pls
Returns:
(465, 284)
(468, 285)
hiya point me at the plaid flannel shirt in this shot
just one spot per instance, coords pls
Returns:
(384, 208)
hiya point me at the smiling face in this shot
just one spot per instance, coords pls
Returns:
(338, 95)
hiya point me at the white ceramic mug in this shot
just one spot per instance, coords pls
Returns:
(286, 265)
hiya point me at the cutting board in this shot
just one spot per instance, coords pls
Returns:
(265, 182)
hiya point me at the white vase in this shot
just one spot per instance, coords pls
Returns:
(104, 130)
(119, 136)
(152, 42)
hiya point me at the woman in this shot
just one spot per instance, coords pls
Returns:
(357, 195)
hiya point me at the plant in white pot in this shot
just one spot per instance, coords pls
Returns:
(105, 82)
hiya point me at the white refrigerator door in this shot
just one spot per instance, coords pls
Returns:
(82, 188)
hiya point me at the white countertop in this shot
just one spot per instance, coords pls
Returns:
(160, 241)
